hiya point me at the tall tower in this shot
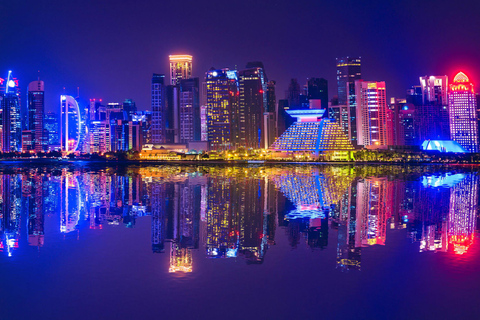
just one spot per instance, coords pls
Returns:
(36, 114)
(180, 68)
(252, 105)
(348, 71)
(11, 122)
(222, 104)
(189, 109)
(70, 123)
(462, 113)
(158, 108)
(373, 126)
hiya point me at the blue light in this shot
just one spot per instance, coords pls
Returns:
(443, 146)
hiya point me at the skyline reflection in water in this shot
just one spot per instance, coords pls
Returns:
(237, 212)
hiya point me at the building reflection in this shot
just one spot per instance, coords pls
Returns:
(236, 212)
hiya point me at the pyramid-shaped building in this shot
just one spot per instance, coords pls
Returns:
(312, 133)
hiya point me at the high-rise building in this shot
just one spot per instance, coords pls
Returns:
(70, 123)
(341, 115)
(403, 124)
(348, 71)
(431, 120)
(36, 114)
(270, 117)
(293, 94)
(203, 122)
(462, 112)
(189, 109)
(51, 124)
(434, 90)
(222, 103)
(144, 118)
(158, 108)
(10, 116)
(99, 128)
(373, 126)
(251, 107)
(318, 90)
(129, 107)
(180, 68)
(125, 135)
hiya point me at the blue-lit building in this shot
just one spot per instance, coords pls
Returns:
(10, 119)
(443, 146)
(70, 124)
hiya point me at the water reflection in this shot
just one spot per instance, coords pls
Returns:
(235, 212)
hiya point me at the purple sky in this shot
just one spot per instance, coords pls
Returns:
(111, 48)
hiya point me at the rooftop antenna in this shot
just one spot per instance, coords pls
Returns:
(78, 93)
(38, 75)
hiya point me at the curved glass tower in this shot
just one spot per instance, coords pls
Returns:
(70, 123)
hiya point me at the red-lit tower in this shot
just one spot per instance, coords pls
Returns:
(462, 113)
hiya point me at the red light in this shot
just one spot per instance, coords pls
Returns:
(461, 83)
(261, 91)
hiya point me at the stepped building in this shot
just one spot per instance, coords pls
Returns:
(312, 133)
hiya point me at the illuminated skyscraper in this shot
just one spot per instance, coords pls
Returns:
(158, 109)
(10, 116)
(462, 112)
(98, 128)
(269, 132)
(70, 123)
(180, 68)
(51, 124)
(189, 109)
(434, 90)
(431, 119)
(374, 125)
(36, 113)
(251, 107)
(129, 107)
(348, 71)
(222, 104)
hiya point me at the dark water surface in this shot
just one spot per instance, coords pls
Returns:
(324, 242)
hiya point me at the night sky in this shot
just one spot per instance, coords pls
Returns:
(111, 48)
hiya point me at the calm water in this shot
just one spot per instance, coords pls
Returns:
(327, 242)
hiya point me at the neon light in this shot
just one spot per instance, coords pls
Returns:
(461, 77)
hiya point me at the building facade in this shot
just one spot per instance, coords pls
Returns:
(158, 109)
(70, 123)
(462, 113)
(189, 111)
(349, 71)
(180, 68)
(36, 114)
(373, 125)
(222, 103)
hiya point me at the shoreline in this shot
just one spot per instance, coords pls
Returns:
(227, 162)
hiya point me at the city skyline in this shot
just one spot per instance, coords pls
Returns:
(98, 75)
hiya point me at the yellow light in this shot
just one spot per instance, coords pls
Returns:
(180, 57)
